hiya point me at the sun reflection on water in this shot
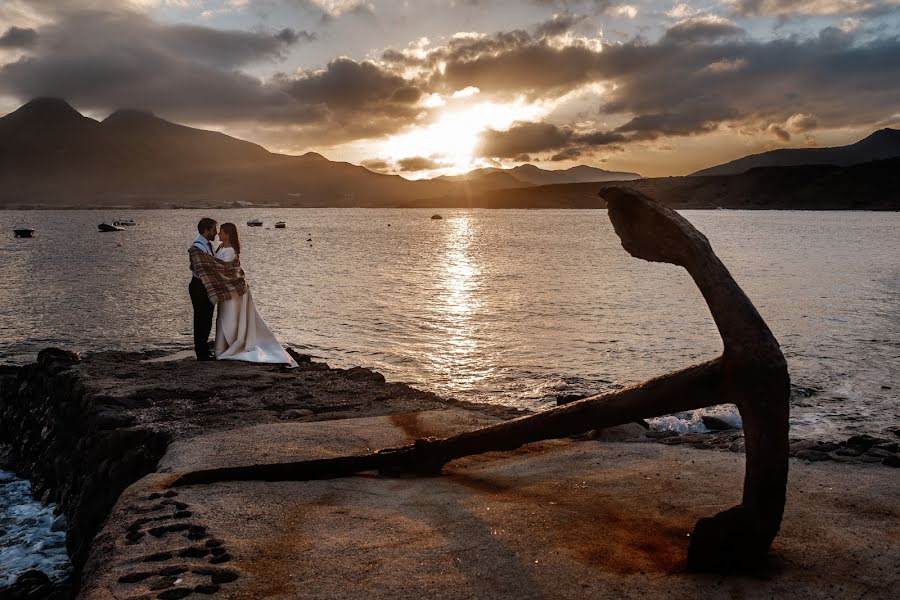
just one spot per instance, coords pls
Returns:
(457, 305)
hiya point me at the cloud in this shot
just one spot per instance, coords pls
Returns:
(419, 163)
(702, 30)
(378, 165)
(106, 60)
(806, 7)
(18, 37)
(529, 137)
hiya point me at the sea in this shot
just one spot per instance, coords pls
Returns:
(512, 307)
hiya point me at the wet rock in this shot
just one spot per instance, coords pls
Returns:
(826, 447)
(135, 577)
(295, 413)
(796, 447)
(865, 441)
(162, 583)
(892, 461)
(221, 558)
(715, 423)
(893, 447)
(812, 455)
(56, 356)
(848, 452)
(364, 374)
(878, 452)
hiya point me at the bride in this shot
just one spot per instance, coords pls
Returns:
(241, 333)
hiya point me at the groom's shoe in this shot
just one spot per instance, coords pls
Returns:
(207, 357)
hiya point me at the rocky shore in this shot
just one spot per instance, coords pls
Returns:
(83, 430)
(102, 436)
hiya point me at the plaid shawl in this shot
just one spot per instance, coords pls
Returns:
(222, 280)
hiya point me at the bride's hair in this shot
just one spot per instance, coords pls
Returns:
(233, 237)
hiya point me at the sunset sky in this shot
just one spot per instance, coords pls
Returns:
(430, 87)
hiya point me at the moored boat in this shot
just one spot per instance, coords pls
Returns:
(124, 223)
(254, 223)
(280, 225)
(23, 231)
(106, 227)
(436, 217)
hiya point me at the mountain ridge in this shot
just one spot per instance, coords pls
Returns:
(879, 145)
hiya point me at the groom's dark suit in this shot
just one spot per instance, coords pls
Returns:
(203, 308)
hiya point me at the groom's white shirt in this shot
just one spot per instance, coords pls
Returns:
(205, 245)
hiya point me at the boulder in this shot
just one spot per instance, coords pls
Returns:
(892, 461)
(715, 423)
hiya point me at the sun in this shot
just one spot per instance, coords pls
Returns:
(451, 141)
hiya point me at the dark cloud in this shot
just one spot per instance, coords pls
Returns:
(527, 137)
(807, 7)
(701, 31)
(419, 163)
(567, 154)
(106, 60)
(18, 37)
(376, 164)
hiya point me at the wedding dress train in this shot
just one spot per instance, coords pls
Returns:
(241, 333)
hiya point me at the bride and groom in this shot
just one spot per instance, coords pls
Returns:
(219, 281)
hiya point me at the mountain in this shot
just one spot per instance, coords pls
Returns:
(882, 144)
(51, 155)
(528, 175)
(873, 185)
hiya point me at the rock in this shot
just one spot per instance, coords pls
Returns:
(57, 356)
(715, 423)
(893, 447)
(295, 413)
(865, 441)
(892, 461)
(569, 398)
(886, 387)
(812, 455)
(364, 374)
(801, 445)
(848, 451)
(826, 447)
(620, 433)
(878, 452)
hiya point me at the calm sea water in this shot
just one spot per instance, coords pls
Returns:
(509, 306)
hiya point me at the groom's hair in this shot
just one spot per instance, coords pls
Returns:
(205, 224)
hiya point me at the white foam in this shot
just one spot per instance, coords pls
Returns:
(692, 421)
(31, 537)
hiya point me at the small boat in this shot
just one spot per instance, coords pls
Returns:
(23, 231)
(436, 217)
(254, 223)
(280, 225)
(124, 223)
(107, 227)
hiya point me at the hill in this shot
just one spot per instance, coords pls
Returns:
(869, 186)
(882, 144)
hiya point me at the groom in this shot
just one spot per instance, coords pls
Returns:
(203, 308)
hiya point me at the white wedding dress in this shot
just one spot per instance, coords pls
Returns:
(241, 333)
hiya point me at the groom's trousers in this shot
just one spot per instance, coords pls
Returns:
(203, 314)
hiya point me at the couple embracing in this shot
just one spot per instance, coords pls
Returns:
(219, 281)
